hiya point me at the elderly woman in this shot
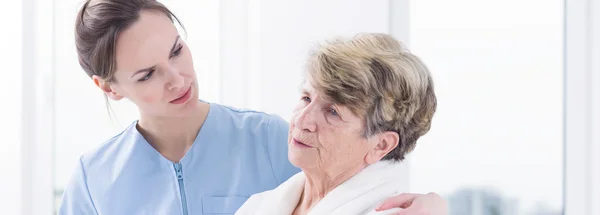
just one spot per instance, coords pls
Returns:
(364, 104)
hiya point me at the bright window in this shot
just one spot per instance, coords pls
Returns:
(496, 144)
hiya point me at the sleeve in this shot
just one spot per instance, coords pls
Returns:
(76, 198)
(278, 150)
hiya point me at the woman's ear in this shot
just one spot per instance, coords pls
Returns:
(386, 142)
(106, 88)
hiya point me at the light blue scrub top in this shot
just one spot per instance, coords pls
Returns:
(237, 153)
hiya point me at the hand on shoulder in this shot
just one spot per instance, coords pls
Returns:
(415, 204)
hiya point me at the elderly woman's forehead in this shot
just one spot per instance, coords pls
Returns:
(309, 87)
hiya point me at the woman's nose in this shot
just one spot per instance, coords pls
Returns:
(306, 119)
(175, 80)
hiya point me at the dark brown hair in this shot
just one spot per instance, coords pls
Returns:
(97, 28)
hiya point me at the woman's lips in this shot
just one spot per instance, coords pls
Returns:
(183, 98)
(300, 144)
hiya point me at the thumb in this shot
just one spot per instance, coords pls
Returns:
(401, 201)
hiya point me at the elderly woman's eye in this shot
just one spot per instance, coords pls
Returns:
(305, 98)
(333, 112)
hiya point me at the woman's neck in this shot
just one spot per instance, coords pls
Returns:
(319, 183)
(173, 136)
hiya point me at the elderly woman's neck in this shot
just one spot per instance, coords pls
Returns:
(320, 182)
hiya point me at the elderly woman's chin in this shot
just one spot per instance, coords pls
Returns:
(302, 156)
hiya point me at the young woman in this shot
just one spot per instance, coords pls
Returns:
(184, 155)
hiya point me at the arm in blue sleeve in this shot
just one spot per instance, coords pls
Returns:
(278, 150)
(76, 197)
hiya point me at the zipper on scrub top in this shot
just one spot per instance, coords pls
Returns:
(179, 172)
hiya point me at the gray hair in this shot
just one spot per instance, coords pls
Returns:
(377, 78)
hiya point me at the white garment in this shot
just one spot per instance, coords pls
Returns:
(361, 194)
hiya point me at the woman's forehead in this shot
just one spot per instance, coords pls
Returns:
(146, 41)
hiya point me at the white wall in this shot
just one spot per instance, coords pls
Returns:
(10, 109)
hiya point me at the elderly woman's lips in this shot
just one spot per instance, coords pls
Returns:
(300, 144)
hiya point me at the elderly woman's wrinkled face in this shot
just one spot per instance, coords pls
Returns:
(325, 135)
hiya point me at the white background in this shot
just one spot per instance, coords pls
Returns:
(498, 67)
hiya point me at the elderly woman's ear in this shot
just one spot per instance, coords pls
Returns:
(383, 144)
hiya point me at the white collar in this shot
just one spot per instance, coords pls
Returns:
(362, 192)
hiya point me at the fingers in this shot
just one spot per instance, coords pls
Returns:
(430, 204)
(401, 201)
(408, 212)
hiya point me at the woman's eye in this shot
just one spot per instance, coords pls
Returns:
(306, 99)
(147, 76)
(177, 52)
(333, 112)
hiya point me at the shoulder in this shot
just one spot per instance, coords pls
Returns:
(268, 130)
(251, 124)
(92, 169)
(108, 151)
(243, 118)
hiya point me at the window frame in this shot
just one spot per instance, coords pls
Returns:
(582, 107)
(37, 115)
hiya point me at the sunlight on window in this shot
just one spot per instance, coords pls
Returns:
(498, 70)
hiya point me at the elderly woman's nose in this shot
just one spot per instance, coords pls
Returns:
(306, 119)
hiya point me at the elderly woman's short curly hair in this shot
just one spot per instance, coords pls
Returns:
(378, 79)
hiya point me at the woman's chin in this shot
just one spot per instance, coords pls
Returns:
(301, 159)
